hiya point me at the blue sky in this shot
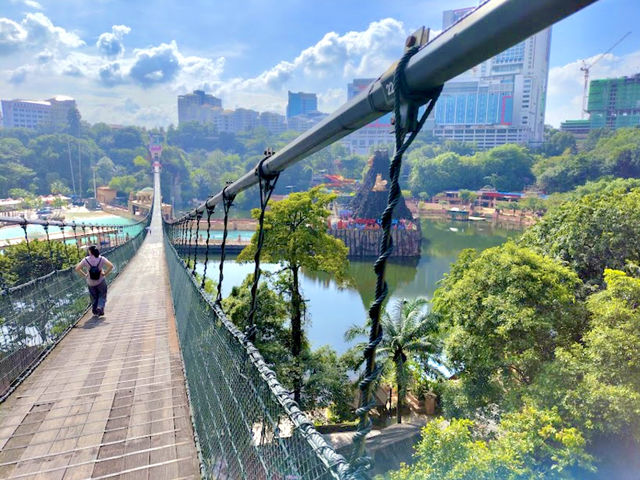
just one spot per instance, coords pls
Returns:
(125, 61)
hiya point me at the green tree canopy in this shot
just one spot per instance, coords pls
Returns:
(273, 336)
(594, 232)
(506, 310)
(527, 445)
(596, 382)
(295, 235)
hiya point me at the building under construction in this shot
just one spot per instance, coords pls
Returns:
(613, 103)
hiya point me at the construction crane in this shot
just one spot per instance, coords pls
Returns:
(586, 69)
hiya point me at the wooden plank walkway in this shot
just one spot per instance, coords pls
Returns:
(109, 401)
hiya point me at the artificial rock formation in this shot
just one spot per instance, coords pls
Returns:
(372, 195)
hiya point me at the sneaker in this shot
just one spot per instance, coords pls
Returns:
(99, 312)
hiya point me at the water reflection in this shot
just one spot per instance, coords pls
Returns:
(333, 309)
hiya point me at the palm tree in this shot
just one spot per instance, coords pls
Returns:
(408, 331)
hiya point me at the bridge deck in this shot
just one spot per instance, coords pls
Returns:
(109, 401)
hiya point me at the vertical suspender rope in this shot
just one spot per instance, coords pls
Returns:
(84, 232)
(26, 238)
(267, 184)
(227, 201)
(75, 236)
(210, 211)
(46, 231)
(195, 249)
(64, 244)
(184, 233)
(402, 95)
(190, 223)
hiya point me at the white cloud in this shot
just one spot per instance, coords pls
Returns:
(566, 83)
(331, 99)
(325, 67)
(34, 31)
(12, 36)
(29, 3)
(110, 43)
(19, 75)
(33, 4)
(153, 76)
(41, 31)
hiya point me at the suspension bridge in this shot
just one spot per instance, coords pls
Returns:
(164, 385)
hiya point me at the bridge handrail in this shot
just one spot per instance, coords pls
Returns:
(58, 223)
(485, 32)
(336, 464)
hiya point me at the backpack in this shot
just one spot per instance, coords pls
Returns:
(95, 270)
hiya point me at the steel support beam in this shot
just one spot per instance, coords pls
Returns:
(492, 28)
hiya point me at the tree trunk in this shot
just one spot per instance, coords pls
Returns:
(401, 387)
(296, 333)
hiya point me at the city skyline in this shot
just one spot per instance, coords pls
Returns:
(122, 69)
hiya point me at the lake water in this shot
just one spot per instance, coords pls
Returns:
(332, 309)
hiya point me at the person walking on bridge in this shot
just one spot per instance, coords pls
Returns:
(94, 268)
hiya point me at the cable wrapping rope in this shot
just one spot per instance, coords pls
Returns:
(228, 201)
(267, 184)
(210, 211)
(360, 461)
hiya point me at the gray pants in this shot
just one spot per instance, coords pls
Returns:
(98, 296)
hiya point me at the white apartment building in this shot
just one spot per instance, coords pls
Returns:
(21, 113)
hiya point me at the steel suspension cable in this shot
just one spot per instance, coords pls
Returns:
(84, 232)
(184, 233)
(402, 96)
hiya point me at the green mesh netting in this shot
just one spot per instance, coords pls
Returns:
(247, 425)
(34, 316)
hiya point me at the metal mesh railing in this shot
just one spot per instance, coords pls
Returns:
(247, 425)
(36, 315)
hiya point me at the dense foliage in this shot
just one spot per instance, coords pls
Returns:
(21, 263)
(506, 310)
(593, 232)
(544, 342)
(506, 168)
(605, 153)
(527, 445)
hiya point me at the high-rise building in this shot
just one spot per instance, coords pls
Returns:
(196, 106)
(273, 122)
(36, 113)
(374, 135)
(301, 103)
(305, 121)
(614, 102)
(204, 108)
(502, 100)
